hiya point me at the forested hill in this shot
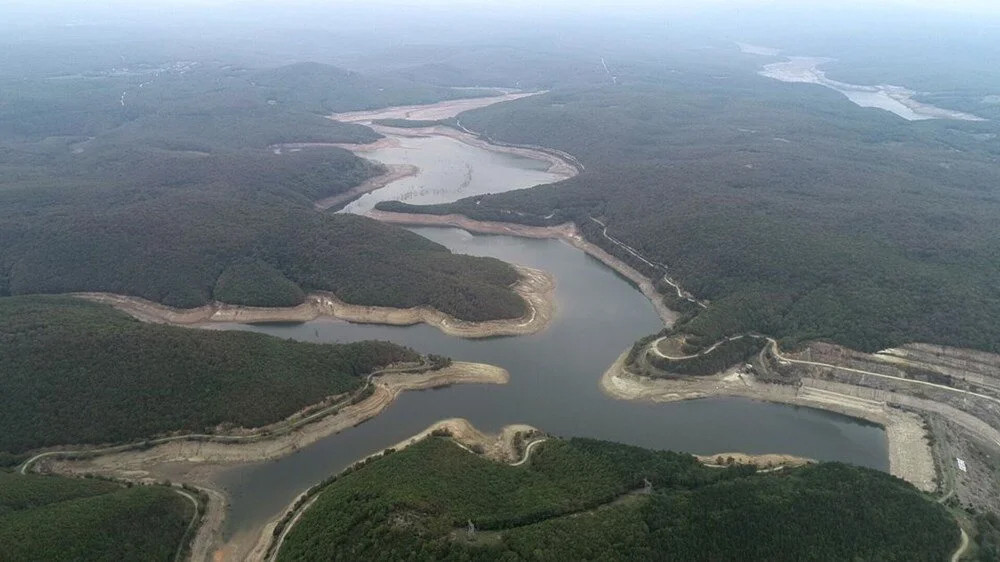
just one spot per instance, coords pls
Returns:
(793, 211)
(583, 500)
(55, 518)
(174, 193)
(77, 372)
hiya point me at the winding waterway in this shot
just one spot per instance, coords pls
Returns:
(554, 373)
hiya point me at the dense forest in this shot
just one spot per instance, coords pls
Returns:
(78, 372)
(796, 213)
(176, 197)
(583, 499)
(56, 518)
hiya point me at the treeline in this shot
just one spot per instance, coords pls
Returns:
(181, 201)
(78, 372)
(727, 354)
(587, 500)
(851, 231)
(56, 518)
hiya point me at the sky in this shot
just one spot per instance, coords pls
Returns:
(956, 6)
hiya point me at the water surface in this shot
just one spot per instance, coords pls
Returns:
(449, 170)
(554, 386)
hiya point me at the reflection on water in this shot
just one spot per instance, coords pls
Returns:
(450, 170)
(554, 386)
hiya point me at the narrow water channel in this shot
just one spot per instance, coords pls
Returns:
(554, 386)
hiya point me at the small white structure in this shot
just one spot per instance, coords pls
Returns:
(961, 464)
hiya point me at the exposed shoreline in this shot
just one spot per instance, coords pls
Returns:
(567, 232)
(428, 112)
(395, 172)
(883, 96)
(499, 447)
(197, 462)
(535, 286)
(910, 456)
(558, 165)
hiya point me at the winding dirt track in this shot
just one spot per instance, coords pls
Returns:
(963, 545)
(191, 525)
(527, 451)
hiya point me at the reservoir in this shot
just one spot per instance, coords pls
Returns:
(449, 170)
(553, 386)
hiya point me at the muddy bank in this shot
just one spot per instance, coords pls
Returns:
(395, 172)
(910, 455)
(535, 287)
(428, 112)
(566, 232)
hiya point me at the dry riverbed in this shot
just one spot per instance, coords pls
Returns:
(535, 286)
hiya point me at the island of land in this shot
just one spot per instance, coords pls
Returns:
(455, 493)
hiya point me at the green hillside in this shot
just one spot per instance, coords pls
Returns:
(582, 500)
(78, 372)
(55, 518)
(794, 212)
(176, 197)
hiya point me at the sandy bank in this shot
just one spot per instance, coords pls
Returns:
(428, 112)
(910, 455)
(387, 388)
(566, 232)
(395, 172)
(763, 462)
(196, 462)
(535, 287)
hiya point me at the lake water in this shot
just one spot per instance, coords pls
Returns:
(450, 170)
(554, 386)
